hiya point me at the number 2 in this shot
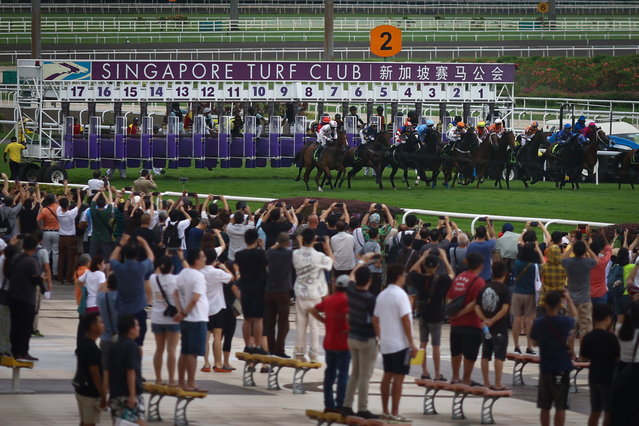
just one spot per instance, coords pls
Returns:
(388, 37)
(456, 92)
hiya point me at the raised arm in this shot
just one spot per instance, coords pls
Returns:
(301, 208)
(389, 217)
(347, 217)
(220, 240)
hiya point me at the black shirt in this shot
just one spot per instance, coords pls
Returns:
(28, 219)
(601, 347)
(272, 230)
(124, 355)
(22, 272)
(431, 306)
(88, 355)
(280, 271)
(252, 264)
(361, 305)
(491, 299)
(150, 237)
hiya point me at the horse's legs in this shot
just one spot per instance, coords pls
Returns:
(406, 178)
(299, 174)
(392, 176)
(378, 175)
(327, 174)
(307, 174)
(317, 179)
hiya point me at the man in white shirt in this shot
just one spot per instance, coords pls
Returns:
(310, 286)
(68, 242)
(343, 246)
(235, 230)
(193, 310)
(176, 219)
(95, 184)
(216, 278)
(393, 326)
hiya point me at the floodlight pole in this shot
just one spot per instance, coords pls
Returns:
(234, 13)
(36, 30)
(329, 41)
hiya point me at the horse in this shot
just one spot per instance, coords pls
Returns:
(369, 155)
(460, 158)
(527, 163)
(505, 146)
(629, 163)
(404, 157)
(330, 159)
(482, 155)
(567, 162)
(429, 156)
(597, 140)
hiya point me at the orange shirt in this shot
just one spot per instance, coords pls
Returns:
(49, 218)
(78, 288)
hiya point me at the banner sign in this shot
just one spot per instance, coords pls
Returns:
(114, 71)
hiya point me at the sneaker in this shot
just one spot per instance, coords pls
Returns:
(517, 350)
(398, 418)
(259, 351)
(367, 415)
(300, 358)
(347, 411)
(530, 351)
(282, 355)
(37, 333)
(26, 358)
(313, 357)
(249, 349)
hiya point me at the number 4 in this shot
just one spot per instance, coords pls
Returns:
(408, 92)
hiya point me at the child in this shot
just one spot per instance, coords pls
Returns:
(601, 347)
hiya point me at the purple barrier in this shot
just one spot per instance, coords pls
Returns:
(224, 142)
(158, 152)
(185, 151)
(133, 151)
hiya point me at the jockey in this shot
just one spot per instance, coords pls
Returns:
(497, 128)
(327, 133)
(580, 124)
(368, 133)
(455, 134)
(590, 130)
(402, 133)
(423, 130)
(481, 130)
(564, 134)
(528, 134)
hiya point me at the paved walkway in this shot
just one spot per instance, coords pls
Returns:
(229, 403)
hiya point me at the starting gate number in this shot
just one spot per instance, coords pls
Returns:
(385, 41)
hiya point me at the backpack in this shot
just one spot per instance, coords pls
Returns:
(391, 253)
(171, 239)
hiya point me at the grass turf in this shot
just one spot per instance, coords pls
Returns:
(603, 203)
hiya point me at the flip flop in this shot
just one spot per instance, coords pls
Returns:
(504, 388)
(206, 369)
(426, 377)
(228, 367)
(475, 384)
(454, 382)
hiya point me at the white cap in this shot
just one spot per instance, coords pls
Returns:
(498, 121)
(207, 110)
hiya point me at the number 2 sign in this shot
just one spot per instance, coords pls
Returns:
(385, 41)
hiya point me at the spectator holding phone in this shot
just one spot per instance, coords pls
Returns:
(484, 244)
(144, 184)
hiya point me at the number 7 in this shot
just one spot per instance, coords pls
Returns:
(334, 90)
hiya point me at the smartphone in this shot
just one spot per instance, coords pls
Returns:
(32, 184)
(339, 205)
(128, 188)
(216, 197)
(136, 193)
(482, 219)
(191, 194)
(312, 201)
(534, 224)
(442, 217)
(582, 226)
(278, 204)
(156, 193)
(426, 225)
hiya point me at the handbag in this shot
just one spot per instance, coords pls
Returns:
(457, 304)
(625, 379)
(170, 310)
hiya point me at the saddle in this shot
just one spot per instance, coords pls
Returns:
(318, 153)
(556, 150)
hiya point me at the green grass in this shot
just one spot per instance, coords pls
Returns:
(603, 203)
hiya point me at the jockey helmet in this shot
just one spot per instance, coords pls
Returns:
(534, 124)
(481, 124)
(582, 118)
(430, 123)
(498, 121)
(592, 124)
(325, 119)
(460, 124)
(207, 110)
(408, 123)
(333, 124)
(567, 126)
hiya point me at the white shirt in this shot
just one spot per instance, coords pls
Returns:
(95, 184)
(169, 285)
(391, 305)
(189, 282)
(89, 229)
(310, 280)
(215, 280)
(628, 347)
(181, 227)
(92, 282)
(343, 246)
(67, 221)
(360, 240)
(236, 232)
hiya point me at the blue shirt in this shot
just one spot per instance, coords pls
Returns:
(194, 239)
(579, 126)
(130, 275)
(110, 315)
(526, 282)
(551, 333)
(485, 248)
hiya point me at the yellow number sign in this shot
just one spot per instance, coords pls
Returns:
(543, 7)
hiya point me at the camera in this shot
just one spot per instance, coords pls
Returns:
(482, 219)
(442, 217)
(534, 224)
(378, 206)
(312, 201)
(339, 205)
(128, 188)
(582, 226)
(278, 204)
(426, 225)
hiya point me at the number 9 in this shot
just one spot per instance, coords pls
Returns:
(284, 90)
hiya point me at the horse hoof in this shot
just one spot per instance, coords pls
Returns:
(296, 179)
(319, 188)
(416, 182)
(395, 188)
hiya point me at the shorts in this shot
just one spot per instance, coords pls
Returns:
(193, 338)
(553, 389)
(217, 320)
(600, 398)
(430, 330)
(621, 304)
(497, 345)
(465, 341)
(89, 408)
(523, 305)
(119, 409)
(252, 307)
(584, 318)
(141, 317)
(165, 328)
(397, 362)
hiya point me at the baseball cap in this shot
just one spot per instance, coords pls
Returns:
(342, 281)
(374, 218)
(207, 110)
(508, 227)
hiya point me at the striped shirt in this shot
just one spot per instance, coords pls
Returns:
(361, 305)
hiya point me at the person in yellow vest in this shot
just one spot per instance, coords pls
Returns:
(24, 131)
(14, 150)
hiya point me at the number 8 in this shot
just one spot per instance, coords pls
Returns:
(308, 92)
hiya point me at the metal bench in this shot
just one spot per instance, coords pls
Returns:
(183, 399)
(275, 365)
(15, 366)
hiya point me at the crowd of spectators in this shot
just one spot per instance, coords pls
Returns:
(197, 264)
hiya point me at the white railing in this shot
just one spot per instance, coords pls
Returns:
(436, 213)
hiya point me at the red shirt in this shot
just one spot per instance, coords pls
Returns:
(335, 308)
(598, 286)
(469, 285)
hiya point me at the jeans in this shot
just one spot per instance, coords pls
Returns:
(336, 366)
(50, 242)
(278, 305)
(303, 318)
(100, 247)
(364, 355)
(22, 314)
